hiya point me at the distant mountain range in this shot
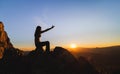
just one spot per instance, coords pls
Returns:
(97, 49)
(105, 59)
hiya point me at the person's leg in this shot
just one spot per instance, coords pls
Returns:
(47, 45)
(39, 47)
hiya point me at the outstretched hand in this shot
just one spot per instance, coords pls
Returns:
(52, 26)
(47, 29)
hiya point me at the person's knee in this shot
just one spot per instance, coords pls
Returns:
(47, 42)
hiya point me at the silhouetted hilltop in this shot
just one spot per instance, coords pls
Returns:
(59, 61)
(108, 50)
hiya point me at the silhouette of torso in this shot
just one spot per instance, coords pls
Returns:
(37, 38)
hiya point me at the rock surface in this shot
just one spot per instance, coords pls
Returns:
(59, 61)
(4, 40)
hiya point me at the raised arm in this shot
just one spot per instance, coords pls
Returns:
(47, 29)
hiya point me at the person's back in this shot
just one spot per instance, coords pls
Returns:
(37, 36)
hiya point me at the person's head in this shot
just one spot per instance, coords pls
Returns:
(38, 28)
(1, 26)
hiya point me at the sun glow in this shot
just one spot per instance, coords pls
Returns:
(73, 45)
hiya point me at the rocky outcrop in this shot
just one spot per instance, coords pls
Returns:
(59, 61)
(4, 40)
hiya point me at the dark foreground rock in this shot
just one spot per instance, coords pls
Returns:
(59, 61)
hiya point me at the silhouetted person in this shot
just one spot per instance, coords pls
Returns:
(38, 43)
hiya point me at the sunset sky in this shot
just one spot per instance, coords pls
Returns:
(86, 23)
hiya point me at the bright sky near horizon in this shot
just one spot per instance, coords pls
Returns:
(87, 23)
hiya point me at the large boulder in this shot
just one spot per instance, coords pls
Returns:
(4, 40)
(59, 61)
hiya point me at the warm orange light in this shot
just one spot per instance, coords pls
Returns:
(73, 45)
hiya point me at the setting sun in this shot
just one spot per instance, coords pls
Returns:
(73, 45)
